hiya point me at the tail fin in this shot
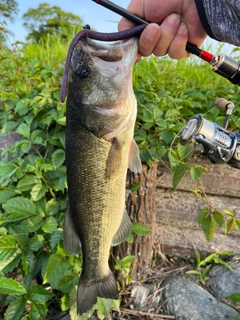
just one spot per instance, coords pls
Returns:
(88, 291)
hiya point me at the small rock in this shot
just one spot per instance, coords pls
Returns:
(223, 281)
(186, 300)
(8, 139)
(139, 297)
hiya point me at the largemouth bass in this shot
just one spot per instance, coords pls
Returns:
(101, 113)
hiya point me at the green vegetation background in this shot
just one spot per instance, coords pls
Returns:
(36, 274)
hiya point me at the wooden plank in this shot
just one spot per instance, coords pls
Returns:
(221, 180)
(176, 215)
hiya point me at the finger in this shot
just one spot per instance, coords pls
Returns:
(177, 48)
(169, 28)
(148, 39)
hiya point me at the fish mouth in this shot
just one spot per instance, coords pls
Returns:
(112, 51)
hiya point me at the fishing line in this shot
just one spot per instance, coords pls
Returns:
(171, 149)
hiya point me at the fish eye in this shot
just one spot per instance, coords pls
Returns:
(83, 73)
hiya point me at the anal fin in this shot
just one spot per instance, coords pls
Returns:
(123, 231)
(71, 240)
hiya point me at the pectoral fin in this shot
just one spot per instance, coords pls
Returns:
(71, 240)
(134, 161)
(123, 231)
(114, 158)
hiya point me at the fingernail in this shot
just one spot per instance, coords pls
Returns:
(152, 32)
(173, 18)
(182, 28)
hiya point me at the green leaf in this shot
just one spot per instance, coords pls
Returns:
(36, 243)
(55, 238)
(8, 250)
(38, 294)
(58, 158)
(7, 171)
(56, 267)
(136, 186)
(68, 282)
(7, 242)
(3, 230)
(160, 153)
(196, 172)
(52, 207)
(9, 126)
(65, 302)
(229, 212)
(237, 224)
(140, 229)
(37, 311)
(130, 238)
(235, 297)
(167, 136)
(230, 223)
(205, 270)
(148, 116)
(192, 272)
(202, 215)
(126, 261)
(10, 286)
(178, 174)
(50, 225)
(12, 263)
(27, 261)
(24, 130)
(104, 306)
(208, 227)
(218, 218)
(27, 182)
(183, 152)
(24, 145)
(22, 106)
(38, 191)
(35, 137)
(16, 308)
(199, 95)
(20, 205)
(6, 194)
(31, 224)
(62, 121)
(145, 156)
(19, 234)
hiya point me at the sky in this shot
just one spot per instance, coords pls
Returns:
(96, 16)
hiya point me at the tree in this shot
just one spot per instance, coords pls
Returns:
(50, 20)
(8, 8)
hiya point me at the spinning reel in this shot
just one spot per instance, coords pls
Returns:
(212, 141)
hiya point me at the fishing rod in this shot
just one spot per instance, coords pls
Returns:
(221, 64)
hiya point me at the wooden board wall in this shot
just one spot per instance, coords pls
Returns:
(176, 211)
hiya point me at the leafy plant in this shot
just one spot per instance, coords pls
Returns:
(234, 297)
(203, 266)
(209, 217)
(33, 189)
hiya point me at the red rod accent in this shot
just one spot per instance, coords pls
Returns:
(206, 56)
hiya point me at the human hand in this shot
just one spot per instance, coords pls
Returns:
(175, 22)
